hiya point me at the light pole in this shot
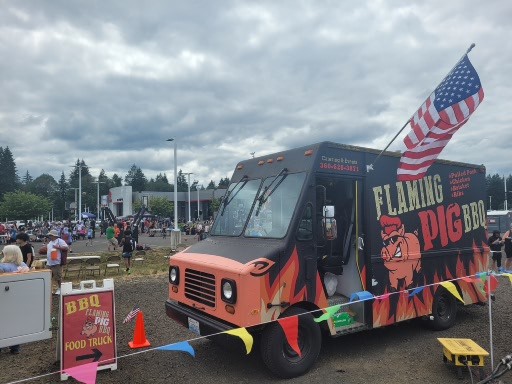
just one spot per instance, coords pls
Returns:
(188, 183)
(79, 190)
(76, 216)
(197, 189)
(98, 197)
(176, 233)
(490, 203)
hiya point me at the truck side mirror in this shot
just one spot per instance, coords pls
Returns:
(329, 223)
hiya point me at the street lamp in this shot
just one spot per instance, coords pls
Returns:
(98, 196)
(176, 233)
(197, 189)
(175, 183)
(76, 217)
(188, 183)
(79, 189)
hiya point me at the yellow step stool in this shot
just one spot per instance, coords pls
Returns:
(462, 352)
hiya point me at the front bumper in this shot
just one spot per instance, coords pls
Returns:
(207, 325)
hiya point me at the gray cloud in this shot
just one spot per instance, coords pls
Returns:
(109, 82)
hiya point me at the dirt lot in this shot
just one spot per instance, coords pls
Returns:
(404, 353)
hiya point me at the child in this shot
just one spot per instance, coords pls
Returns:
(89, 237)
(128, 246)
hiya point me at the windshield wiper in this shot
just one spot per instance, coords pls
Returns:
(262, 199)
(228, 199)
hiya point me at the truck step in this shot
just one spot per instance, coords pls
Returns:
(351, 328)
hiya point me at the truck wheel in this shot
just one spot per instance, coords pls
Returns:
(444, 310)
(279, 356)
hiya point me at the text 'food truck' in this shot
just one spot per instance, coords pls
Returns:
(305, 229)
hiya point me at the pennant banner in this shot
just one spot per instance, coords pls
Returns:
(85, 373)
(330, 312)
(450, 287)
(482, 275)
(493, 282)
(363, 295)
(244, 335)
(416, 291)
(290, 327)
(183, 346)
(383, 297)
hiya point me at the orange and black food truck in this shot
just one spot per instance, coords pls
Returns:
(305, 229)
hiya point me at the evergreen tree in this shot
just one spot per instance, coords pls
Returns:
(116, 180)
(136, 179)
(9, 180)
(26, 180)
(160, 184)
(211, 185)
(182, 182)
(224, 183)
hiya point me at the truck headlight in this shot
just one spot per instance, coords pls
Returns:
(228, 291)
(174, 275)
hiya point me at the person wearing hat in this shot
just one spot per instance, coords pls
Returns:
(53, 254)
(495, 242)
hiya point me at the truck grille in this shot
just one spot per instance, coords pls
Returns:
(200, 287)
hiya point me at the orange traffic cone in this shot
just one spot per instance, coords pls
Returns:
(139, 335)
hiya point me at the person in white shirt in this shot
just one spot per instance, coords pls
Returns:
(53, 254)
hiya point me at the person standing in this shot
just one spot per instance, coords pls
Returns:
(111, 236)
(507, 238)
(495, 242)
(92, 224)
(67, 237)
(26, 248)
(54, 255)
(128, 247)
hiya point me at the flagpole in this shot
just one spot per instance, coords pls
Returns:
(370, 167)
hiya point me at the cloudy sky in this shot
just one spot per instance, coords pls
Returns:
(110, 81)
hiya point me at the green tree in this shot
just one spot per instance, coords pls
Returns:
(135, 177)
(159, 184)
(136, 206)
(59, 203)
(211, 185)
(44, 186)
(25, 181)
(496, 191)
(24, 206)
(9, 180)
(160, 206)
(182, 182)
(215, 204)
(117, 181)
(224, 183)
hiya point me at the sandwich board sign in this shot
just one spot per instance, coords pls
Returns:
(88, 326)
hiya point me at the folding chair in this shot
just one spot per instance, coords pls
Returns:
(73, 266)
(139, 257)
(91, 266)
(113, 262)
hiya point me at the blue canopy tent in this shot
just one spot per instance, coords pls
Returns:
(88, 215)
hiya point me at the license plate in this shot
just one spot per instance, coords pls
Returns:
(193, 325)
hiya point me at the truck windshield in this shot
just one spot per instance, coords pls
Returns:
(275, 205)
(264, 209)
(233, 214)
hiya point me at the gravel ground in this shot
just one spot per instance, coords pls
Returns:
(403, 353)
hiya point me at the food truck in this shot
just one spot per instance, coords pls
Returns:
(306, 229)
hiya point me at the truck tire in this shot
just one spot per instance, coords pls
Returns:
(277, 354)
(444, 310)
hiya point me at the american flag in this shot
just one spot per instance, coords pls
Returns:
(131, 315)
(446, 110)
